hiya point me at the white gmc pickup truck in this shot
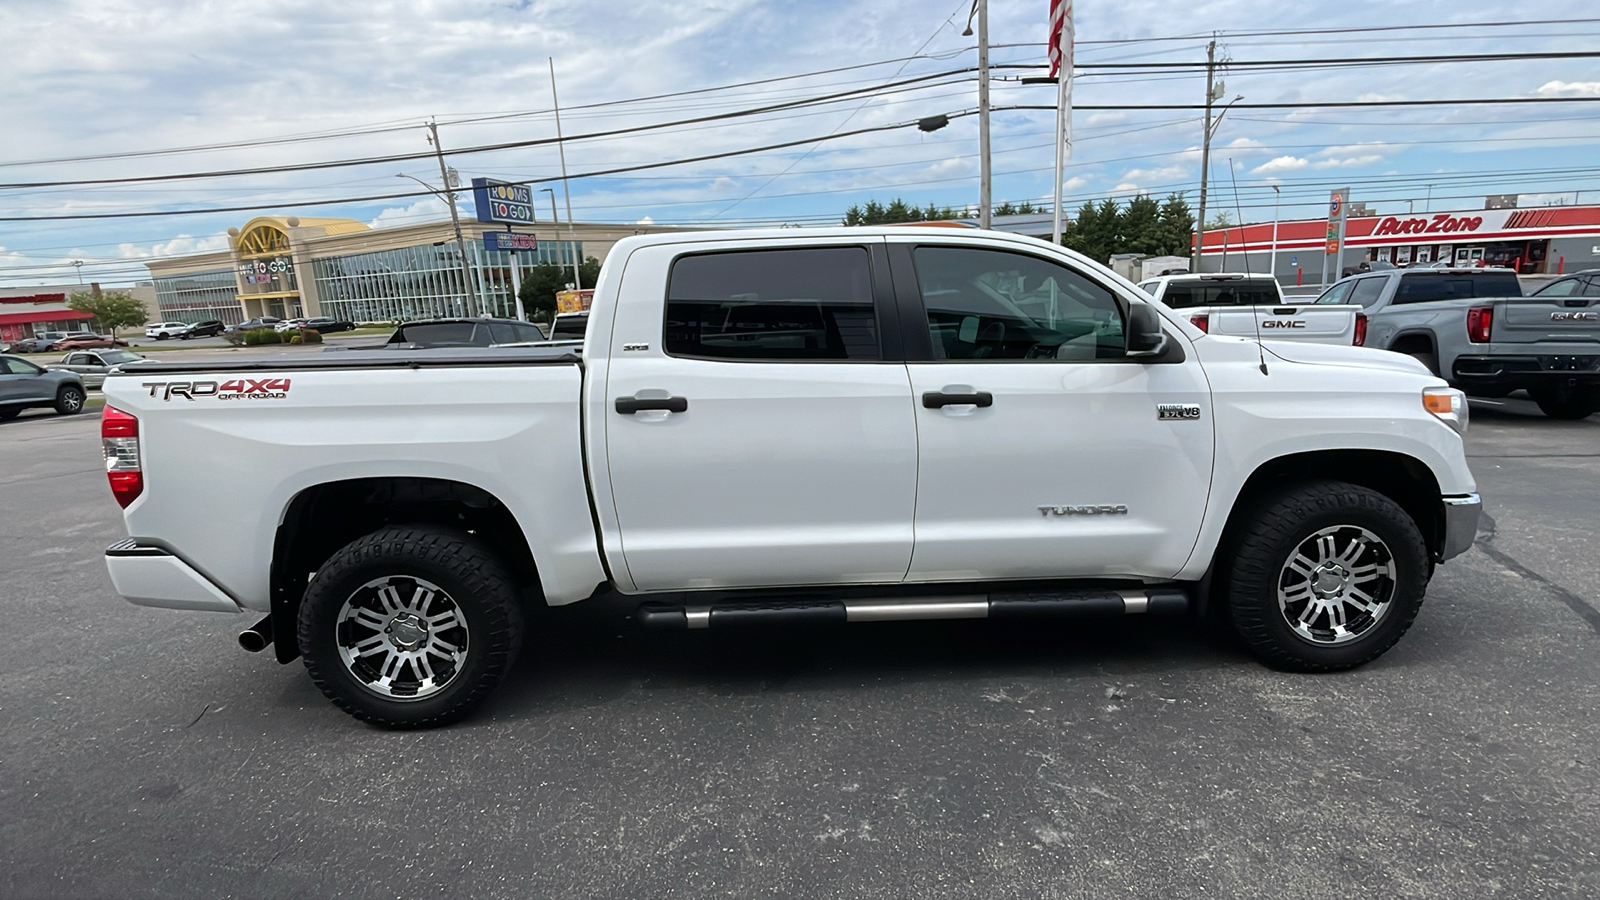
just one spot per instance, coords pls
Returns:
(850, 425)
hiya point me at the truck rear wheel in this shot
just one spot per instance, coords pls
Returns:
(410, 627)
(1326, 576)
(1567, 401)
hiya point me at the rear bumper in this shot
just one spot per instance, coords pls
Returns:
(151, 576)
(1526, 371)
(1460, 524)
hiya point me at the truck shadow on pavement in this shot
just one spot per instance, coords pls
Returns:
(580, 657)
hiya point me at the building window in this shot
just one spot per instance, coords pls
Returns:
(198, 297)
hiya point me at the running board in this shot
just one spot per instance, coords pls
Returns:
(1003, 605)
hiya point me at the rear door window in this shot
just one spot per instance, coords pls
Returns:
(1339, 293)
(1431, 287)
(1366, 291)
(790, 304)
(1566, 287)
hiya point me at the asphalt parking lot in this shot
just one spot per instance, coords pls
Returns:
(142, 753)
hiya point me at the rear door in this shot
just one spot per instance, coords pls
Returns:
(760, 432)
(1044, 450)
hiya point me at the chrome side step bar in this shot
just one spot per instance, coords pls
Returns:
(1003, 605)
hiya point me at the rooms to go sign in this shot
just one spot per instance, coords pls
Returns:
(504, 203)
(1442, 223)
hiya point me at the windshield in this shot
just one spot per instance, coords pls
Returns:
(438, 333)
(118, 357)
(1243, 292)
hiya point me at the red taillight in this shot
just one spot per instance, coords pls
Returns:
(1361, 330)
(1480, 319)
(1201, 322)
(119, 436)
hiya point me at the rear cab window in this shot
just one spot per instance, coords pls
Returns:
(801, 303)
(1232, 292)
(1429, 287)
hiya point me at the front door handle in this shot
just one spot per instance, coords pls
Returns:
(939, 399)
(630, 405)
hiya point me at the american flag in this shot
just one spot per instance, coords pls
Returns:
(1060, 36)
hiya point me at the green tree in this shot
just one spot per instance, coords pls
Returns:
(112, 309)
(1141, 226)
(1220, 220)
(1026, 208)
(540, 284)
(898, 210)
(1176, 232)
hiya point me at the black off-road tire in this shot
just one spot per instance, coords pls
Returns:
(69, 400)
(1567, 402)
(1275, 530)
(472, 577)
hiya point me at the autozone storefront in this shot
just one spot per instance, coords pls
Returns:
(24, 315)
(1547, 240)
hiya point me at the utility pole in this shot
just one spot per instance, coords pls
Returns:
(455, 217)
(561, 147)
(980, 9)
(1205, 154)
(1277, 196)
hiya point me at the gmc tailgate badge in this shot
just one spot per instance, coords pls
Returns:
(1177, 411)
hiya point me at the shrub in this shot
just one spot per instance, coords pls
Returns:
(311, 335)
(258, 336)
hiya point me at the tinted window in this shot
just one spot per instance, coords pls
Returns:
(1183, 294)
(118, 357)
(989, 304)
(805, 303)
(570, 328)
(457, 334)
(1365, 291)
(1566, 287)
(21, 367)
(1432, 286)
(528, 332)
(1336, 294)
(502, 333)
(1150, 287)
(1593, 288)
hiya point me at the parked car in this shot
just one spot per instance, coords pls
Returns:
(93, 365)
(791, 426)
(208, 328)
(163, 330)
(24, 384)
(325, 325)
(1578, 284)
(87, 342)
(1474, 328)
(1253, 306)
(257, 322)
(44, 341)
(1367, 265)
(464, 333)
(290, 324)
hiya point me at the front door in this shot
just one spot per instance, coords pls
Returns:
(1044, 450)
(758, 436)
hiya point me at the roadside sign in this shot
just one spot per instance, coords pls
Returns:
(1294, 260)
(509, 240)
(507, 204)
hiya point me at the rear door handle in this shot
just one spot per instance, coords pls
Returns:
(939, 399)
(630, 405)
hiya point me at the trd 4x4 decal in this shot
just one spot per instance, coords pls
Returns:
(234, 389)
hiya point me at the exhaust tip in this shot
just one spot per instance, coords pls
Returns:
(257, 637)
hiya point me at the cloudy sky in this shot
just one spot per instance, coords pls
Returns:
(135, 88)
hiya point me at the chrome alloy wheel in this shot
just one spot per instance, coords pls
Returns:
(1337, 585)
(401, 637)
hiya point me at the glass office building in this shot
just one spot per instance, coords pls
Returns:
(198, 297)
(427, 281)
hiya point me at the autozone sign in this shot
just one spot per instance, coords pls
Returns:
(1440, 223)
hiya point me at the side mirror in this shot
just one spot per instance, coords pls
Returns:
(1145, 336)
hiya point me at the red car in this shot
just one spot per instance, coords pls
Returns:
(87, 342)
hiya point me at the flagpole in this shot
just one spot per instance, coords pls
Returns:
(1063, 46)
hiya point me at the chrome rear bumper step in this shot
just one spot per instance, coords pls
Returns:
(1002, 605)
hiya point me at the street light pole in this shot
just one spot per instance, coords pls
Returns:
(455, 217)
(561, 147)
(980, 8)
(78, 264)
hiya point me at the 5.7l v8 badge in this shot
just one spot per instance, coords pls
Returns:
(1178, 411)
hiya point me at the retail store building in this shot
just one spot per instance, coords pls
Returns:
(1544, 240)
(27, 311)
(288, 266)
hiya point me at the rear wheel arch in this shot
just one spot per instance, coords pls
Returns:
(324, 518)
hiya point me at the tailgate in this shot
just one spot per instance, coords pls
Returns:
(1318, 324)
(1546, 320)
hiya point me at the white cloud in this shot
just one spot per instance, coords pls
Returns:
(1244, 143)
(1569, 89)
(1126, 186)
(1158, 175)
(1105, 118)
(1073, 183)
(422, 210)
(1346, 162)
(181, 245)
(1281, 164)
(647, 220)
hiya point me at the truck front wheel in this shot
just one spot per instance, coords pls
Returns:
(410, 627)
(1326, 576)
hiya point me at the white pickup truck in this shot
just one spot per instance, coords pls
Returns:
(863, 424)
(1254, 306)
